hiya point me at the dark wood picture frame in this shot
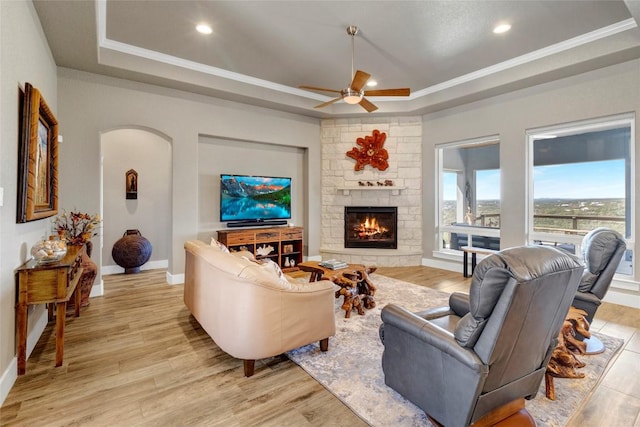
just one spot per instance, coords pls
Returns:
(37, 158)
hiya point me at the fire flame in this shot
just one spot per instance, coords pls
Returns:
(370, 228)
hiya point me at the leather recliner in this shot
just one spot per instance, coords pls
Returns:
(486, 349)
(602, 249)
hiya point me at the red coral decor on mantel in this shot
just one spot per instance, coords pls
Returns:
(370, 152)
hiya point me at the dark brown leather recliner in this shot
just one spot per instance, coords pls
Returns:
(488, 348)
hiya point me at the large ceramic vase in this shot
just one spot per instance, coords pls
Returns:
(89, 273)
(131, 251)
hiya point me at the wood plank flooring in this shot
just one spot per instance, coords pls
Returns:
(135, 357)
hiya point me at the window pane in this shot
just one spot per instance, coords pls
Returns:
(580, 196)
(581, 181)
(488, 198)
(450, 197)
(469, 193)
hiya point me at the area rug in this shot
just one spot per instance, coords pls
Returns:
(352, 369)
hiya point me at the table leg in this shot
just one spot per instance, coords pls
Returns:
(77, 297)
(61, 311)
(473, 263)
(316, 276)
(21, 337)
(465, 260)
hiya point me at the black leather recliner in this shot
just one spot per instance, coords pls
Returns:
(602, 250)
(488, 348)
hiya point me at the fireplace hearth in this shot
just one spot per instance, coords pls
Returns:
(370, 227)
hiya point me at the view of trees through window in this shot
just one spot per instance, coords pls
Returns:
(574, 198)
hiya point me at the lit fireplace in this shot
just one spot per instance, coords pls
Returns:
(370, 227)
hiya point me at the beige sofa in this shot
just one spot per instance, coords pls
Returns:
(250, 310)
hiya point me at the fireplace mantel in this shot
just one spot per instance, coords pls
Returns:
(395, 191)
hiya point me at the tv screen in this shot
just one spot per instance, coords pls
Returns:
(254, 198)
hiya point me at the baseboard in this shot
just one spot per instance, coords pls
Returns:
(151, 265)
(175, 279)
(10, 375)
(8, 378)
(443, 264)
(622, 297)
(97, 290)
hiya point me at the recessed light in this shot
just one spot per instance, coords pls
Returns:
(502, 28)
(372, 83)
(204, 29)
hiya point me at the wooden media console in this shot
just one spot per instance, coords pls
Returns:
(283, 245)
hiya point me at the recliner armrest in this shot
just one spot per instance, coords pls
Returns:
(459, 303)
(430, 334)
(587, 297)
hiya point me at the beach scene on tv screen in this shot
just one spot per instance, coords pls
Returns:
(254, 197)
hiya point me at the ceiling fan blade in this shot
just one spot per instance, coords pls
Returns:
(324, 104)
(388, 92)
(367, 105)
(359, 80)
(318, 88)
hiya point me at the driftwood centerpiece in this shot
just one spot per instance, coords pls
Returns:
(355, 285)
(563, 362)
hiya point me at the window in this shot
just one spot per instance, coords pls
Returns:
(581, 177)
(468, 210)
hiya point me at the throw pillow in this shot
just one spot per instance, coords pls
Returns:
(219, 245)
(274, 266)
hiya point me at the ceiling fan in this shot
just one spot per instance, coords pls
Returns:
(355, 94)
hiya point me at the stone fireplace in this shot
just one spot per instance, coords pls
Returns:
(373, 227)
(343, 187)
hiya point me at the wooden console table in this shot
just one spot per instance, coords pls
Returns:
(47, 284)
(466, 250)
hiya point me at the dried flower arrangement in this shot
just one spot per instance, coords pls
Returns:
(77, 228)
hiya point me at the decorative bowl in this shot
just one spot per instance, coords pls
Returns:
(49, 251)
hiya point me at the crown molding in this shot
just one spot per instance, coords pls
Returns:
(532, 56)
(105, 43)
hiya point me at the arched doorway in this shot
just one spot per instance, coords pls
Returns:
(148, 153)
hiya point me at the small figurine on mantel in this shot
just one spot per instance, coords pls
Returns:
(469, 218)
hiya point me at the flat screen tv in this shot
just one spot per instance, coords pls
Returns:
(246, 199)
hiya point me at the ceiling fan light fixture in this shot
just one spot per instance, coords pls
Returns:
(350, 96)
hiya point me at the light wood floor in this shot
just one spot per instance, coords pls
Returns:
(136, 357)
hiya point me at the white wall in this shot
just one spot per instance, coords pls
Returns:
(149, 154)
(222, 156)
(24, 57)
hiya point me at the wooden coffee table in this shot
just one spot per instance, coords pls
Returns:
(355, 286)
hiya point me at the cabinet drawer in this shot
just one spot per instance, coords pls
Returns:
(267, 236)
(292, 235)
(241, 239)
